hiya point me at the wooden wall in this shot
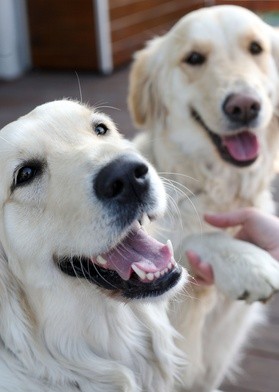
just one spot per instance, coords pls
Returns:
(62, 34)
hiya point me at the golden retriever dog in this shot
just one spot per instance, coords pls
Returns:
(206, 94)
(78, 274)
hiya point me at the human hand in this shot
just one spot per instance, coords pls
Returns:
(256, 227)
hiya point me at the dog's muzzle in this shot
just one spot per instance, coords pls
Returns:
(138, 266)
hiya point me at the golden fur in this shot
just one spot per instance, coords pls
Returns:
(62, 332)
(183, 89)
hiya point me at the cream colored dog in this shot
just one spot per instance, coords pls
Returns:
(76, 267)
(207, 92)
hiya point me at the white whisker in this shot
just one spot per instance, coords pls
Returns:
(79, 87)
(177, 174)
(176, 186)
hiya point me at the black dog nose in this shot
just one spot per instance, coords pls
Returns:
(241, 108)
(124, 179)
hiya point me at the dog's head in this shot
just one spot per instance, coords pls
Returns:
(213, 74)
(73, 193)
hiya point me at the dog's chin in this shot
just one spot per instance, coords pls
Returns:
(137, 267)
(226, 145)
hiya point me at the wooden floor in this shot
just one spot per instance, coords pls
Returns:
(260, 366)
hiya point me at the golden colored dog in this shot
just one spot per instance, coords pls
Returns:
(78, 274)
(207, 95)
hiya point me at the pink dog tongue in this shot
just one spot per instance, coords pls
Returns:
(243, 146)
(138, 251)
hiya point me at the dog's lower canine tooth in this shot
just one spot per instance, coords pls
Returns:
(101, 260)
(139, 272)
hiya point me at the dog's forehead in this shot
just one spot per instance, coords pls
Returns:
(59, 123)
(219, 22)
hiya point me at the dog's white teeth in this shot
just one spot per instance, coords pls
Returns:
(170, 247)
(153, 275)
(150, 276)
(164, 271)
(141, 274)
(101, 260)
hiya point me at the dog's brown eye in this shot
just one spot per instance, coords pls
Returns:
(195, 58)
(255, 48)
(101, 129)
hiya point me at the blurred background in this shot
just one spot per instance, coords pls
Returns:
(82, 49)
(95, 35)
(46, 45)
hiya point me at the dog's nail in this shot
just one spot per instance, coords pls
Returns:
(170, 247)
(139, 272)
(101, 260)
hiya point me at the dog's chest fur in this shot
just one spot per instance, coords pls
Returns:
(127, 352)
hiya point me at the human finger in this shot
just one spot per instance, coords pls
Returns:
(202, 271)
(228, 219)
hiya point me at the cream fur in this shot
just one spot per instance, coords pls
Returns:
(163, 88)
(61, 333)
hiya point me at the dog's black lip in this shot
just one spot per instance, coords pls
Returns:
(82, 267)
(216, 139)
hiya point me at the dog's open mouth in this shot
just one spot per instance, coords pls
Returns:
(240, 149)
(139, 266)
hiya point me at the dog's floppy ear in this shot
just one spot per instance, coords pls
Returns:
(144, 98)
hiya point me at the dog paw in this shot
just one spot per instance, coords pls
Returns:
(254, 286)
(241, 270)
